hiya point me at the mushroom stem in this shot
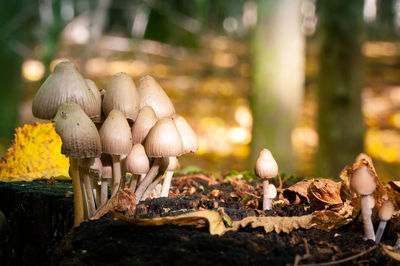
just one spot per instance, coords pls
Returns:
(84, 198)
(97, 193)
(379, 231)
(267, 202)
(153, 185)
(116, 173)
(104, 191)
(147, 179)
(142, 176)
(366, 212)
(166, 184)
(89, 194)
(134, 181)
(76, 186)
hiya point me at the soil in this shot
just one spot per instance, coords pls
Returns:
(39, 215)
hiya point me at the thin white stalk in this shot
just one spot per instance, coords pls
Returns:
(84, 197)
(366, 212)
(116, 173)
(104, 191)
(166, 184)
(379, 231)
(134, 181)
(147, 179)
(267, 202)
(89, 194)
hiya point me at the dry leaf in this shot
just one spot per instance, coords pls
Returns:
(123, 201)
(297, 193)
(390, 251)
(325, 193)
(36, 153)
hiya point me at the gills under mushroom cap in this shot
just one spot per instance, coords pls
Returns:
(78, 133)
(65, 84)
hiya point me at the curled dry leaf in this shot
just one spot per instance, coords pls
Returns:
(123, 201)
(325, 193)
(297, 193)
(390, 251)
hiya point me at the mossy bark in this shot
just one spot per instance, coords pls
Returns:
(340, 120)
(278, 75)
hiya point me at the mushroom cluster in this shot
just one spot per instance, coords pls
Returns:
(117, 138)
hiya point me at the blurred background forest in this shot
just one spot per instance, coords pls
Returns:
(315, 81)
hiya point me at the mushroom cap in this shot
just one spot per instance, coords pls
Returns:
(78, 133)
(386, 211)
(151, 94)
(137, 162)
(121, 94)
(266, 166)
(97, 95)
(144, 122)
(271, 191)
(170, 163)
(115, 134)
(362, 181)
(65, 84)
(189, 138)
(106, 170)
(163, 140)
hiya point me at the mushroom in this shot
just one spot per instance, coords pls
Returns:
(363, 182)
(266, 168)
(80, 139)
(385, 214)
(116, 139)
(121, 94)
(65, 84)
(145, 120)
(163, 140)
(137, 164)
(171, 167)
(151, 94)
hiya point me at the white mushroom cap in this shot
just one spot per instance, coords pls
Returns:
(78, 133)
(137, 162)
(65, 84)
(164, 140)
(151, 94)
(189, 138)
(266, 166)
(271, 191)
(121, 94)
(362, 181)
(386, 211)
(144, 122)
(116, 134)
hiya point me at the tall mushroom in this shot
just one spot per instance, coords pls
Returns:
(121, 94)
(364, 182)
(65, 84)
(266, 168)
(137, 163)
(385, 214)
(116, 139)
(163, 140)
(80, 139)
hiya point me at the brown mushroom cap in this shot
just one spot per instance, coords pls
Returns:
(78, 133)
(266, 166)
(362, 181)
(65, 84)
(137, 162)
(144, 122)
(122, 95)
(386, 211)
(151, 94)
(163, 140)
(115, 134)
(189, 138)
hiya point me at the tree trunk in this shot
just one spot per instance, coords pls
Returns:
(340, 121)
(278, 75)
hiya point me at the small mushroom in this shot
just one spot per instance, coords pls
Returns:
(137, 163)
(385, 214)
(364, 183)
(116, 138)
(145, 120)
(266, 168)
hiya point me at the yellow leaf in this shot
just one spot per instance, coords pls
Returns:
(36, 153)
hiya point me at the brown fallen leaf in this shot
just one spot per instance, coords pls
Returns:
(390, 251)
(123, 201)
(325, 193)
(297, 193)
